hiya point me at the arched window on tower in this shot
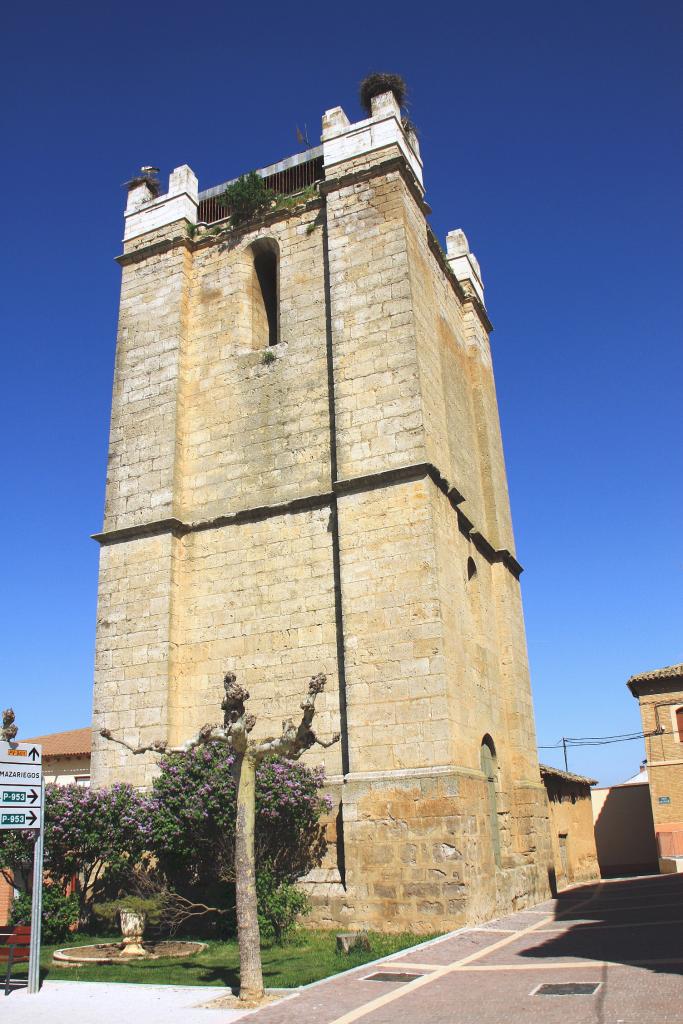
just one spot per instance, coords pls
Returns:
(489, 766)
(265, 311)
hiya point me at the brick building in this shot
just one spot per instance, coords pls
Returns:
(305, 474)
(660, 696)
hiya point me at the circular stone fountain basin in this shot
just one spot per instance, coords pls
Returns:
(110, 952)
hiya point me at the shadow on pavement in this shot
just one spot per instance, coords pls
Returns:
(630, 921)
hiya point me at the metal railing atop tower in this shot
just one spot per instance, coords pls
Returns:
(286, 179)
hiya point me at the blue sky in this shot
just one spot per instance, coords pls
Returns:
(549, 133)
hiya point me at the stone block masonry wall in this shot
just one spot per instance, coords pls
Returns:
(419, 853)
(257, 598)
(413, 381)
(462, 430)
(143, 443)
(340, 507)
(377, 391)
(133, 654)
(445, 366)
(398, 713)
(256, 433)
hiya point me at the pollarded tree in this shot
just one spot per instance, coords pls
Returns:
(246, 755)
(192, 812)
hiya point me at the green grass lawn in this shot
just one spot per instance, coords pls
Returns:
(309, 956)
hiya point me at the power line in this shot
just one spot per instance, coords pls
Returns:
(597, 741)
(613, 736)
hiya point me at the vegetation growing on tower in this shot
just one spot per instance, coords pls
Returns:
(246, 198)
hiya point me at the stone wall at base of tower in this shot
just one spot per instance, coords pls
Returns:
(419, 856)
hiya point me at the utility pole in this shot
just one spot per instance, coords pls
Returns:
(564, 747)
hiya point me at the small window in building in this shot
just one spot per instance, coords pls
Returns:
(82, 780)
(471, 569)
(264, 304)
(679, 724)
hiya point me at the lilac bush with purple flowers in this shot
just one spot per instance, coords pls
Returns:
(93, 839)
(192, 818)
(98, 839)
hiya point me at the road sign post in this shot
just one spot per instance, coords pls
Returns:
(37, 903)
(22, 806)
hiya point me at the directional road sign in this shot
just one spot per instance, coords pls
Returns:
(18, 819)
(20, 775)
(21, 753)
(20, 785)
(21, 807)
(14, 794)
(18, 804)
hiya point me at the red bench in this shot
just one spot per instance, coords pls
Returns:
(14, 949)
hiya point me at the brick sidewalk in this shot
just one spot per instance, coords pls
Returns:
(621, 936)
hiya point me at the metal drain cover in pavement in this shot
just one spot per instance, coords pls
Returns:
(569, 988)
(391, 976)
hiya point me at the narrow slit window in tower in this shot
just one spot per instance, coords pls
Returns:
(265, 295)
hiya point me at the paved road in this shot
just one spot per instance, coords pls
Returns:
(624, 937)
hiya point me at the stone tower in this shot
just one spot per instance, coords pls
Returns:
(306, 474)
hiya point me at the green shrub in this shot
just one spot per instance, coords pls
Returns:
(279, 906)
(246, 198)
(288, 202)
(408, 126)
(60, 913)
(151, 907)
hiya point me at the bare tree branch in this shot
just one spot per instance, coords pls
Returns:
(158, 746)
(176, 909)
(295, 740)
(207, 734)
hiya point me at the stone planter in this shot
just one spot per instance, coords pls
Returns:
(112, 953)
(132, 930)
